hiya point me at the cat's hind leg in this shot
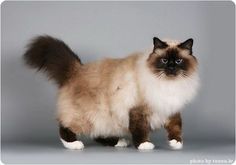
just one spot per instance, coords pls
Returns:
(112, 141)
(122, 142)
(107, 141)
(174, 130)
(69, 140)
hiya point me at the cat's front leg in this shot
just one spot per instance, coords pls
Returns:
(139, 128)
(174, 130)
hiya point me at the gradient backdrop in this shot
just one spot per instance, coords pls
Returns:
(114, 29)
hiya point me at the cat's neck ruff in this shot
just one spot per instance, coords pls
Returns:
(165, 97)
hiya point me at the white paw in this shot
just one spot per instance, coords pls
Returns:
(76, 145)
(174, 144)
(122, 143)
(146, 146)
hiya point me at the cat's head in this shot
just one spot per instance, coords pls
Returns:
(171, 60)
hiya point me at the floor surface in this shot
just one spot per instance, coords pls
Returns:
(192, 152)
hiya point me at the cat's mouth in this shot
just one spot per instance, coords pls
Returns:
(176, 74)
(171, 74)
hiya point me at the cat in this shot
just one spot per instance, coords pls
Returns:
(113, 98)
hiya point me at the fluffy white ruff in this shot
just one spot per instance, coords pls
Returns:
(122, 143)
(146, 146)
(76, 145)
(174, 144)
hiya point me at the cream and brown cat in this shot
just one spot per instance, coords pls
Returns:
(113, 98)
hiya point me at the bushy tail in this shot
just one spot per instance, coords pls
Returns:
(52, 56)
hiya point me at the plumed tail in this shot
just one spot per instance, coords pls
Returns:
(52, 56)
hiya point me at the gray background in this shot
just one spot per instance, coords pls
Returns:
(113, 29)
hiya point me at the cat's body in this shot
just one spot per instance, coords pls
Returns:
(112, 98)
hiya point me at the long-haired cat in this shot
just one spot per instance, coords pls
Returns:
(113, 98)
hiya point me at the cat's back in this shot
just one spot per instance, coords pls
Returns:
(99, 79)
(100, 73)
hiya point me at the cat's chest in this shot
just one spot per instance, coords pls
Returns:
(167, 96)
(164, 100)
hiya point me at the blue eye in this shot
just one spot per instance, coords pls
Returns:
(164, 60)
(179, 61)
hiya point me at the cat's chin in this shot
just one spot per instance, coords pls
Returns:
(172, 76)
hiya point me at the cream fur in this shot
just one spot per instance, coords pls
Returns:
(97, 101)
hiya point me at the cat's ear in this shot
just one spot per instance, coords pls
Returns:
(188, 44)
(159, 44)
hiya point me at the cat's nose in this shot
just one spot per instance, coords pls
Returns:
(171, 68)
